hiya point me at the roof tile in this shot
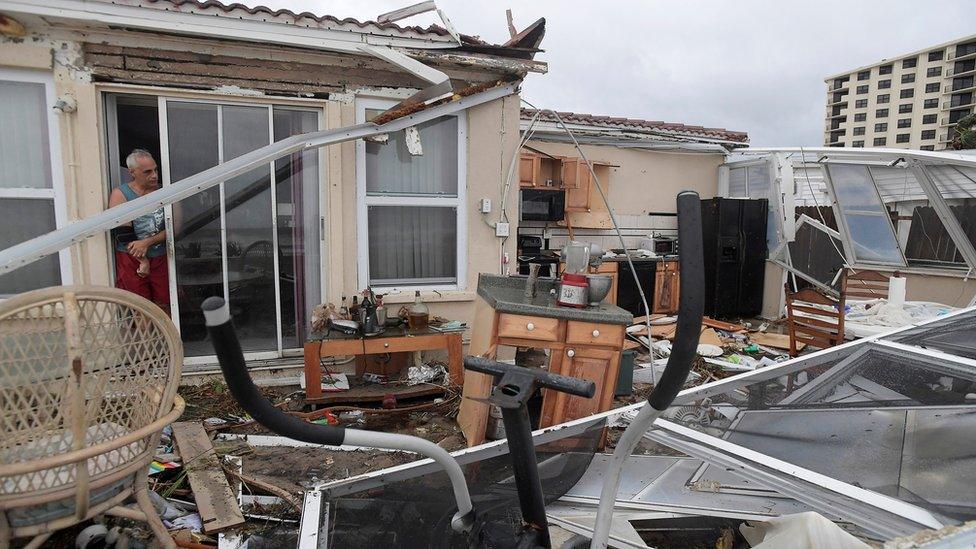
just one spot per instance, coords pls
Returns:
(637, 124)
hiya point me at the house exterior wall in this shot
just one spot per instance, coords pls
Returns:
(644, 181)
(80, 70)
(639, 182)
(492, 138)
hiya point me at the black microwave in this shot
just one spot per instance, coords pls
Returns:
(542, 205)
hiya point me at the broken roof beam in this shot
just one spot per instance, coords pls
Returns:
(409, 11)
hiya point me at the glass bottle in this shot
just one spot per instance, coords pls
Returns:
(417, 314)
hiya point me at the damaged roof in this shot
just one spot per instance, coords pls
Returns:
(433, 33)
(286, 16)
(633, 124)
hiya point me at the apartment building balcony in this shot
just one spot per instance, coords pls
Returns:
(964, 57)
(951, 73)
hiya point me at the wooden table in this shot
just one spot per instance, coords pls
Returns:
(394, 340)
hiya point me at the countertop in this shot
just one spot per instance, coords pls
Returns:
(507, 295)
(637, 258)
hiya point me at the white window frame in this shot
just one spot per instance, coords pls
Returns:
(56, 193)
(363, 201)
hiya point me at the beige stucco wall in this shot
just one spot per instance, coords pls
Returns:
(79, 138)
(644, 181)
(492, 138)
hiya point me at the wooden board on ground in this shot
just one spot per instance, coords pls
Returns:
(778, 341)
(375, 392)
(709, 336)
(718, 324)
(645, 318)
(216, 502)
(631, 344)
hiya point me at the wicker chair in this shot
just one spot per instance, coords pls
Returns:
(88, 380)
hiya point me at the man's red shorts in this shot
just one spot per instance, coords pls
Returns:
(154, 287)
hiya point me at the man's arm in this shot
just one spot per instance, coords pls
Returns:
(139, 248)
(116, 198)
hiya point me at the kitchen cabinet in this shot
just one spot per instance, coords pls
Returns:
(596, 364)
(666, 288)
(576, 179)
(530, 170)
(587, 349)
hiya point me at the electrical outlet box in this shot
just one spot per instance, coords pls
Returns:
(485, 205)
(501, 229)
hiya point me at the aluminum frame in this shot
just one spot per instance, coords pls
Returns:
(915, 161)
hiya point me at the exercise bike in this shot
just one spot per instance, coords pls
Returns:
(515, 385)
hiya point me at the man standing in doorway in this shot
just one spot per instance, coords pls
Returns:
(140, 249)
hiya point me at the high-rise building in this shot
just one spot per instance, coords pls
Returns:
(912, 101)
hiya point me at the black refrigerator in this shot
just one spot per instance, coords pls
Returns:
(734, 238)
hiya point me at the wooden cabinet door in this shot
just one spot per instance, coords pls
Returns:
(530, 168)
(597, 365)
(666, 288)
(576, 180)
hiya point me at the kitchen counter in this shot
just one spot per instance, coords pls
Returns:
(636, 258)
(507, 295)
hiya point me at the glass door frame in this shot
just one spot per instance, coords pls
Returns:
(168, 209)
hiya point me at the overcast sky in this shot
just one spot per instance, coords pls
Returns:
(754, 66)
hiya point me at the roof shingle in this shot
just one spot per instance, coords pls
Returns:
(637, 124)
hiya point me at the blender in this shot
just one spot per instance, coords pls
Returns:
(573, 287)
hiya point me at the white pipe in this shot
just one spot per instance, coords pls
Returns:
(355, 437)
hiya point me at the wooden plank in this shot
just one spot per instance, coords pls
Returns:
(455, 359)
(718, 324)
(708, 336)
(473, 415)
(778, 341)
(216, 502)
(376, 393)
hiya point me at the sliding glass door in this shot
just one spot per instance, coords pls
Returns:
(254, 239)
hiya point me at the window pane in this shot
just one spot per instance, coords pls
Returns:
(415, 244)
(758, 182)
(872, 239)
(250, 247)
(193, 139)
(865, 216)
(20, 220)
(297, 195)
(816, 253)
(737, 182)
(391, 169)
(24, 139)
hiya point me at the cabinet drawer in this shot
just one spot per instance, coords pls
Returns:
(528, 327)
(588, 333)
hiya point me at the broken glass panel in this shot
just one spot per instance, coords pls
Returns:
(881, 418)
(955, 335)
(817, 254)
(414, 508)
(958, 185)
(864, 216)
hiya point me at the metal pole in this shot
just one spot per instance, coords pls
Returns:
(535, 528)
